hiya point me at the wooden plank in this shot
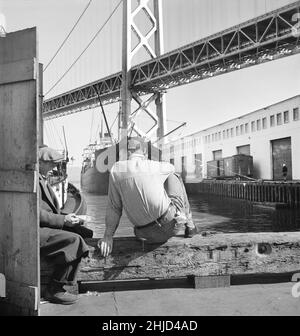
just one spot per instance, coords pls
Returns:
(212, 281)
(20, 299)
(17, 71)
(18, 248)
(140, 284)
(16, 101)
(220, 254)
(17, 181)
(28, 296)
(20, 45)
(41, 101)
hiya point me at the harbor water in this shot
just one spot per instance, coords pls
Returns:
(211, 213)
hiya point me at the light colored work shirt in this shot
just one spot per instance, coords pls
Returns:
(137, 185)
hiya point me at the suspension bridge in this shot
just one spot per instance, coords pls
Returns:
(262, 39)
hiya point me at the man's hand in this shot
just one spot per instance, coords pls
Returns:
(105, 245)
(71, 220)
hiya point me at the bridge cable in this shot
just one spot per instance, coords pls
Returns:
(65, 40)
(86, 48)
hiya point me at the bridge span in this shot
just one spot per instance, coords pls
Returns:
(263, 39)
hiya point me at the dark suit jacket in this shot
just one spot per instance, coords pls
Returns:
(50, 215)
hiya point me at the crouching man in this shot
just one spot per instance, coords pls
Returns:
(58, 245)
(152, 195)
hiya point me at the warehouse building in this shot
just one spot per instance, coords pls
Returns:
(270, 135)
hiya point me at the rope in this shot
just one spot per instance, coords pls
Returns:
(65, 40)
(85, 49)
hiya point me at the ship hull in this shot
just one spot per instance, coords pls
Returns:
(94, 182)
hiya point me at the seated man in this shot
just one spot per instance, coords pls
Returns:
(57, 244)
(152, 195)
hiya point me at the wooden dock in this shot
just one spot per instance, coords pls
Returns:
(212, 257)
(284, 193)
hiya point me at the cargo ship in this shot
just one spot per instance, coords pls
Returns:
(91, 179)
(94, 180)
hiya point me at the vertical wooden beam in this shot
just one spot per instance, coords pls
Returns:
(19, 218)
(41, 99)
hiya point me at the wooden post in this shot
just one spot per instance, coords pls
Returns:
(19, 229)
(41, 99)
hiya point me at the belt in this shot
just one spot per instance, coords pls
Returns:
(158, 220)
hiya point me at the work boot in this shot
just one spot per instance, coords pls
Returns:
(190, 232)
(55, 293)
(190, 228)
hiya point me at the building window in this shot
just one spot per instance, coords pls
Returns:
(227, 131)
(252, 126)
(279, 118)
(208, 138)
(219, 136)
(172, 161)
(232, 132)
(258, 125)
(242, 129)
(243, 150)
(172, 151)
(237, 131)
(217, 155)
(213, 138)
(198, 165)
(247, 128)
(264, 123)
(272, 121)
(223, 134)
(296, 114)
(286, 117)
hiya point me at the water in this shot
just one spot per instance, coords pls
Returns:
(210, 213)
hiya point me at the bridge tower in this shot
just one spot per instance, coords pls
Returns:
(152, 10)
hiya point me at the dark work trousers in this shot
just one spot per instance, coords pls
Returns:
(175, 189)
(65, 250)
(66, 274)
(168, 226)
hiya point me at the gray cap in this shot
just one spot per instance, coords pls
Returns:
(48, 154)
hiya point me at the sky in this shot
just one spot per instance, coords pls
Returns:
(201, 105)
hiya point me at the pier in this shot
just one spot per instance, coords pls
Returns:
(216, 260)
(209, 259)
(273, 194)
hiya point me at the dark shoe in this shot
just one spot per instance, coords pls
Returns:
(60, 296)
(190, 232)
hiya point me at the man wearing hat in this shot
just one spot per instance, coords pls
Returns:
(63, 248)
(152, 195)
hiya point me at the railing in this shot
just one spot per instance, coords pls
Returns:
(264, 192)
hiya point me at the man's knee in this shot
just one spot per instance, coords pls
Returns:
(173, 185)
(72, 238)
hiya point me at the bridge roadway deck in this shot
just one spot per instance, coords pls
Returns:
(262, 39)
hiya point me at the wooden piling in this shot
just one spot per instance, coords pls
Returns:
(266, 192)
